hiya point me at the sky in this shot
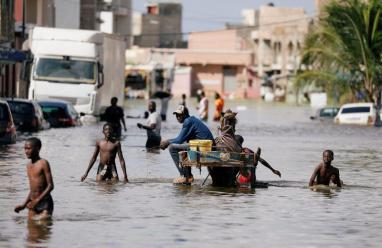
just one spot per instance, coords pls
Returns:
(204, 15)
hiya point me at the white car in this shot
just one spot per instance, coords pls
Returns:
(356, 113)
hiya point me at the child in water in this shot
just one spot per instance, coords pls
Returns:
(244, 176)
(108, 149)
(325, 173)
(39, 201)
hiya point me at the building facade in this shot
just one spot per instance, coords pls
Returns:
(160, 26)
(115, 16)
(67, 14)
(278, 40)
(88, 14)
(219, 62)
(7, 67)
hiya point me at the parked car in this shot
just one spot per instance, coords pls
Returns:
(7, 127)
(326, 113)
(27, 115)
(356, 113)
(59, 113)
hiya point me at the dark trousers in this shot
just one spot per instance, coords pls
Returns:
(153, 139)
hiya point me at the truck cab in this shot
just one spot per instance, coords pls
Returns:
(83, 67)
(73, 79)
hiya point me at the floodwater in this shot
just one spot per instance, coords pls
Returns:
(151, 212)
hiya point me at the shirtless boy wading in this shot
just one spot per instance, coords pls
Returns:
(324, 173)
(108, 149)
(39, 201)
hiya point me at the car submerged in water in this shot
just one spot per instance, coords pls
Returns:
(356, 113)
(27, 115)
(325, 114)
(59, 113)
(7, 127)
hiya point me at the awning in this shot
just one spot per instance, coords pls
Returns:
(12, 55)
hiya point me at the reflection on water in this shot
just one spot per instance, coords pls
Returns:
(150, 211)
(38, 233)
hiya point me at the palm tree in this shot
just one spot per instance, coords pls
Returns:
(345, 48)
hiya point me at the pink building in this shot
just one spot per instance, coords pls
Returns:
(220, 61)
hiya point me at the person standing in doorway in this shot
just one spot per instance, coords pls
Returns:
(114, 116)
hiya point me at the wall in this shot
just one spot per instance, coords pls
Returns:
(67, 14)
(217, 40)
(182, 82)
(88, 10)
(161, 26)
(209, 78)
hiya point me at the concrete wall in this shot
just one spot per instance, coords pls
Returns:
(161, 26)
(116, 18)
(320, 4)
(270, 17)
(217, 40)
(123, 19)
(67, 14)
(40, 12)
(278, 42)
(210, 78)
(220, 57)
(88, 14)
(182, 82)
(150, 31)
(46, 13)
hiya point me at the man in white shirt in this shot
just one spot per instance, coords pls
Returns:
(153, 127)
(203, 107)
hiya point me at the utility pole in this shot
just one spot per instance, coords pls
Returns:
(23, 22)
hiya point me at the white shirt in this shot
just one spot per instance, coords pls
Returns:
(154, 118)
(203, 108)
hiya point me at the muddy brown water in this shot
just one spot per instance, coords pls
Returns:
(151, 212)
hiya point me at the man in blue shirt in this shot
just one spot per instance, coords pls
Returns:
(193, 128)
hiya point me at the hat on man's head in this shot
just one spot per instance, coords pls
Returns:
(180, 110)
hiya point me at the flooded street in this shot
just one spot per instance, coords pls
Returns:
(151, 212)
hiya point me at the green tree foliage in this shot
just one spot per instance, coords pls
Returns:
(343, 50)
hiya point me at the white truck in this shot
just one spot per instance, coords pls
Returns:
(83, 67)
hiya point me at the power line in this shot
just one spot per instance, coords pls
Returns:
(235, 28)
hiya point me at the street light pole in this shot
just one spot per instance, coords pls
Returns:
(23, 22)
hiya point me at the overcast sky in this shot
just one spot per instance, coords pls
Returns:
(202, 15)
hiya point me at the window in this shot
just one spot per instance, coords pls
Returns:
(3, 112)
(135, 81)
(353, 110)
(65, 70)
(328, 112)
(54, 111)
(21, 108)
